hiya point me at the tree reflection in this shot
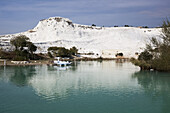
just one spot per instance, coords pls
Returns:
(156, 85)
(18, 75)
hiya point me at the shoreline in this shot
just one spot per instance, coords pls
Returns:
(49, 61)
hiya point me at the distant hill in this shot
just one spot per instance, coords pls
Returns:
(101, 41)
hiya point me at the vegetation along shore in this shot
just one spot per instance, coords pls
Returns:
(156, 55)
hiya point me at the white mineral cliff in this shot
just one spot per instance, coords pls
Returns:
(101, 41)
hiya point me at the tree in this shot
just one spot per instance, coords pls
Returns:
(23, 47)
(160, 49)
(119, 54)
(50, 55)
(62, 52)
(126, 25)
(59, 51)
(146, 56)
(31, 48)
(19, 42)
(145, 26)
(73, 50)
(157, 52)
(93, 25)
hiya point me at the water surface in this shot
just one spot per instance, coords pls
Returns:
(86, 87)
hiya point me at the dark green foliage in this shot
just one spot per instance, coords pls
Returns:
(141, 63)
(6, 55)
(23, 48)
(19, 58)
(93, 25)
(146, 56)
(31, 47)
(126, 25)
(119, 54)
(73, 50)
(145, 26)
(50, 55)
(19, 42)
(157, 52)
(62, 52)
(53, 48)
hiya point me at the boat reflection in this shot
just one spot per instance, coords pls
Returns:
(61, 68)
(51, 83)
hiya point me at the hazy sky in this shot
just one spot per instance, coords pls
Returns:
(21, 15)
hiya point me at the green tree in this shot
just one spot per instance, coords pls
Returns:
(73, 50)
(119, 54)
(23, 47)
(19, 42)
(31, 48)
(146, 56)
(157, 52)
(160, 49)
(93, 25)
(50, 55)
(126, 25)
(59, 51)
(62, 52)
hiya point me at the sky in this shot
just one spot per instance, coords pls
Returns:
(22, 15)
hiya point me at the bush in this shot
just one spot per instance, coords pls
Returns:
(157, 52)
(93, 25)
(19, 58)
(73, 50)
(23, 47)
(119, 54)
(126, 25)
(145, 56)
(62, 52)
(50, 55)
(141, 63)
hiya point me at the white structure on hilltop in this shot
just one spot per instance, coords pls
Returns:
(97, 41)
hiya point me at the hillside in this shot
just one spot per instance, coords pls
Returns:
(100, 41)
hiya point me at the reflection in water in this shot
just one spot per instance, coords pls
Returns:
(109, 85)
(58, 82)
(18, 75)
(156, 85)
(51, 82)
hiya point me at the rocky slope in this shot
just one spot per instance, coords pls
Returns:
(100, 41)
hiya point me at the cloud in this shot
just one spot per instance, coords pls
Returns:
(101, 12)
(78, 5)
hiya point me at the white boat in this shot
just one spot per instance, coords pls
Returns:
(61, 63)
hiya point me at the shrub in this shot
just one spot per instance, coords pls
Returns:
(73, 50)
(23, 47)
(157, 52)
(93, 25)
(146, 56)
(126, 25)
(119, 54)
(50, 55)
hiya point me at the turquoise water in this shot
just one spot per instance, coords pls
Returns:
(85, 87)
